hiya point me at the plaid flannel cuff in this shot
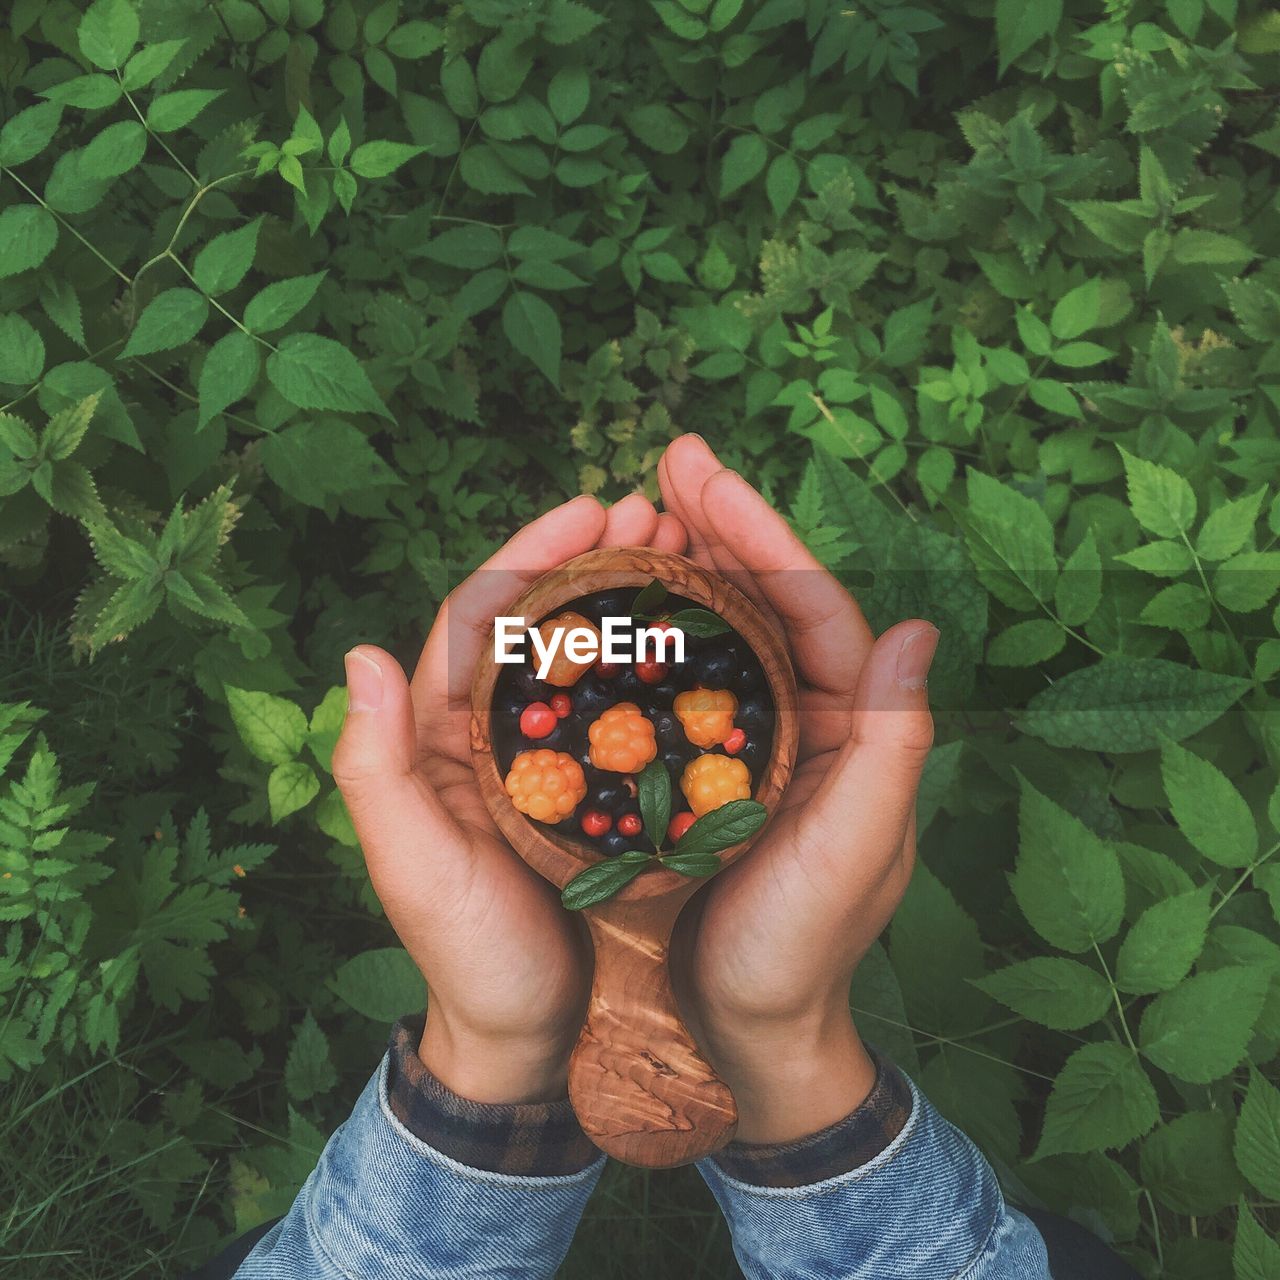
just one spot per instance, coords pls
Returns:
(534, 1139)
(846, 1145)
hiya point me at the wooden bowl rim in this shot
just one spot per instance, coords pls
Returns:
(555, 857)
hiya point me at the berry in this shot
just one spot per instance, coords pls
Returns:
(753, 714)
(707, 715)
(674, 762)
(607, 670)
(534, 690)
(510, 704)
(651, 672)
(537, 720)
(630, 825)
(561, 705)
(712, 780)
(735, 742)
(679, 824)
(753, 755)
(608, 795)
(748, 677)
(564, 670)
(714, 668)
(628, 686)
(622, 740)
(668, 729)
(590, 697)
(546, 785)
(663, 694)
(614, 843)
(594, 823)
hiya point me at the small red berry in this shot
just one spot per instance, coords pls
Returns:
(735, 741)
(595, 823)
(630, 825)
(561, 704)
(679, 825)
(537, 720)
(651, 672)
(607, 670)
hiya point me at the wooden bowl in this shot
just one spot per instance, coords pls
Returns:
(640, 1087)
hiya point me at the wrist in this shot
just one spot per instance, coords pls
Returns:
(793, 1077)
(494, 1068)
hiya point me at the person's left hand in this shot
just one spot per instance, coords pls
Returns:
(767, 950)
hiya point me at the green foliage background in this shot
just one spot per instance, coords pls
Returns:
(305, 304)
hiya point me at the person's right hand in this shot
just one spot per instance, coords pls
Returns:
(507, 968)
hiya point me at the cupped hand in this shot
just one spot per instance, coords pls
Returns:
(507, 968)
(767, 950)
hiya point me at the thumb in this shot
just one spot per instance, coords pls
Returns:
(396, 813)
(872, 786)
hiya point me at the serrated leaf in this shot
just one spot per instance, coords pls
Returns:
(1129, 704)
(228, 374)
(1256, 1256)
(175, 110)
(1101, 1099)
(226, 259)
(314, 372)
(1161, 499)
(1078, 590)
(26, 134)
(1165, 941)
(533, 329)
(27, 236)
(170, 319)
(21, 350)
(1229, 527)
(1026, 643)
(1067, 880)
(107, 33)
(380, 159)
(1051, 990)
(312, 460)
(1077, 311)
(742, 161)
(290, 787)
(383, 984)
(1187, 1163)
(278, 303)
(273, 728)
(308, 1070)
(1208, 809)
(1199, 1031)
(1257, 1137)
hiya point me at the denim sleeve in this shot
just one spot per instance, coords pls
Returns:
(926, 1207)
(383, 1205)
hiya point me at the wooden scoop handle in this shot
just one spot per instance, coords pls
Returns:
(642, 1091)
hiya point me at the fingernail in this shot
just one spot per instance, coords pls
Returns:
(364, 682)
(915, 656)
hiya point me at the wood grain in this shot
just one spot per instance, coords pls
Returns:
(641, 1089)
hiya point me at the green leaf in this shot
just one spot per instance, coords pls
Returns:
(170, 319)
(1077, 311)
(1199, 1031)
(273, 728)
(68, 427)
(291, 786)
(117, 149)
(228, 374)
(654, 793)
(1229, 527)
(27, 236)
(1026, 643)
(278, 303)
(467, 247)
(1165, 941)
(1161, 499)
(226, 259)
(568, 94)
(107, 33)
(308, 1070)
(1129, 704)
(699, 624)
(1257, 1138)
(382, 984)
(1187, 1163)
(743, 161)
(1247, 581)
(730, 824)
(1101, 1099)
(649, 599)
(1067, 880)
(1163, 559)
(21, 350)
(1078, 591)
(313, 372)
(25, 135)
(782, 182)
(1019, 26)
(1010, 541)
(691, 864)
(1181, 607)
(1051, 990)
(314, 459)
(149, 63)
(1256, 1256)
(379, 159)
(1208, 809)
(601, 881)
(1193, 246)
(533, 329)
(175, 110)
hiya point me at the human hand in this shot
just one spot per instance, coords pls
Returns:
(507, 968)
(767, 950)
